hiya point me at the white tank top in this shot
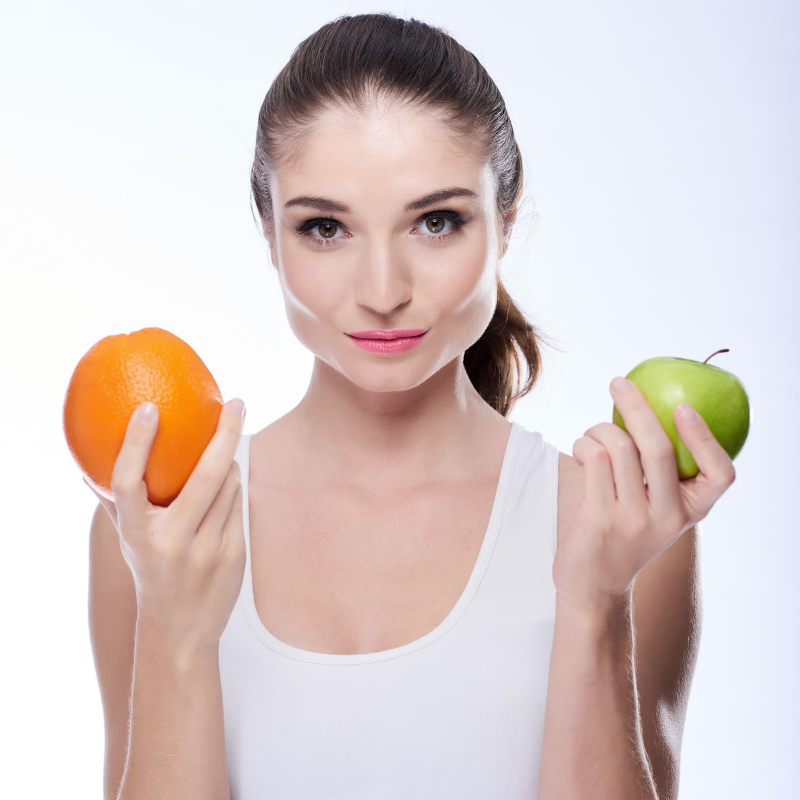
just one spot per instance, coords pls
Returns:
(457, 713)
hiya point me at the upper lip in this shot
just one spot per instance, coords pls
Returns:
(397, 333)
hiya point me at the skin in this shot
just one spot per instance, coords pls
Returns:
(383, 422)
(388, 421)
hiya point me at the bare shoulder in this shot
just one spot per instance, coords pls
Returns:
(273, 438)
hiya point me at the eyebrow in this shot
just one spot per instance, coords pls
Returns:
(324, 204)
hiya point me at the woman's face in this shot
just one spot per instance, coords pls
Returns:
(374, 255)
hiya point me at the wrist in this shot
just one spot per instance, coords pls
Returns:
(601, 626)
(183, 656)
(598, 608)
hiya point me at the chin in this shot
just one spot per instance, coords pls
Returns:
(385, 379)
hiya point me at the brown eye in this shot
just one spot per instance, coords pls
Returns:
(438, 224)
(327, 229)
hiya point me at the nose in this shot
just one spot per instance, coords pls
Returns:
(383, 280)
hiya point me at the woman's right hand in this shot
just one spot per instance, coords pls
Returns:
(188, 559)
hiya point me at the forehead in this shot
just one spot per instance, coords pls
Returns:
(391, 153)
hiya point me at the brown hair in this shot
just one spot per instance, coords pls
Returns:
(352, 61)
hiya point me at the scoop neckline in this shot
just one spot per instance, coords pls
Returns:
(247, 596)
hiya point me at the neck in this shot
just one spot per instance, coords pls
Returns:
(393, 438)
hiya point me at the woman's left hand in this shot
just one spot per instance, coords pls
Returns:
(623, 524)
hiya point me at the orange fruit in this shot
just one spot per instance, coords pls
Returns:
(114, 377)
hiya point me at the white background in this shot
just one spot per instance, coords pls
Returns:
(660, 147)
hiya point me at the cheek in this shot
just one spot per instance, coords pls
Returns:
(310, 285)
(312, 298)
(465, 289)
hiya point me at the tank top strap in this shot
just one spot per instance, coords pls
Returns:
(526, 541)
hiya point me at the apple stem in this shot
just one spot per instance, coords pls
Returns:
(725, 350)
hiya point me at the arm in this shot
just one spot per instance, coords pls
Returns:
(593, 745)
(593, 737)
(176, 748)
(668, 616)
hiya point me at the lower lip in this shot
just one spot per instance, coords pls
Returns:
(388, 345)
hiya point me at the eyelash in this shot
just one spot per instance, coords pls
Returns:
(453, 216)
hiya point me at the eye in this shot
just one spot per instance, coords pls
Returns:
(433, 221)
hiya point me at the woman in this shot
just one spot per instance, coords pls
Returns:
(408, 595)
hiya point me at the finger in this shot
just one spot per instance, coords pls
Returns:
(208, 475)
(626, 466)
(598, 488)
(127, 477)
(717, 472)
(656, 451)
(213, 524)
(107, 504)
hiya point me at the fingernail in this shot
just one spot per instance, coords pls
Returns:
(236, 406)
(620, 384)
(146, 412)
(687, 413)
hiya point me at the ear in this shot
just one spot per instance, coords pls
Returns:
(271, 242)
(506, 240)
(506, 228)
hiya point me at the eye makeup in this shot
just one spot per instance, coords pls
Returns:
(456, 220)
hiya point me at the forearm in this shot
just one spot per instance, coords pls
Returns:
(593, 746)
(176, 747)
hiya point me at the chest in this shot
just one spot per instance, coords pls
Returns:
(334, 572)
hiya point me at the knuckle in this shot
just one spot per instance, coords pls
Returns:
(201, 554)
(638, 524)
(663, 450)
(206, 480)
(730, 477)
(122, 485)
(606, 525)
(598, 454)
(603, 429)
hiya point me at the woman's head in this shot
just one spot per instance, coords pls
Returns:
(375, 114)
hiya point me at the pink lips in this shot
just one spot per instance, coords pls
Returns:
(395, 341)
(397, 333)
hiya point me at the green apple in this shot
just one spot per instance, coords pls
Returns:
(718, 396)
